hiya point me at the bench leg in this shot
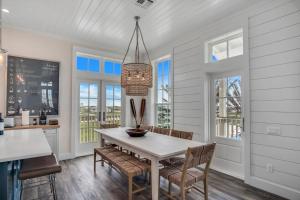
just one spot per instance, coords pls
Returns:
(129, 187)
(205, 189)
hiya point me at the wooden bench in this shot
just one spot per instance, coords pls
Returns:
(123, 162)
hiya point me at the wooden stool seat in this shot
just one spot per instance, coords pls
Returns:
(37, 167)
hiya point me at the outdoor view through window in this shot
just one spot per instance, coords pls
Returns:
(228, 107)
(163, 103)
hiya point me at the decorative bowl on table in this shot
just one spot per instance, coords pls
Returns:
(136, 132)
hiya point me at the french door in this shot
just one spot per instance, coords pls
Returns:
(227, 122)
(98, 102)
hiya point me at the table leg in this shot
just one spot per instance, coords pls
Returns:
(102, 141)
(155, 179)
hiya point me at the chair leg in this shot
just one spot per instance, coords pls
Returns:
(182, 193)
(205, 189)
(129, 187)
(95, 156)
(170, 187)
(149, 178)
(102, 162)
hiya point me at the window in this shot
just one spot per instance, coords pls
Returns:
(89, 64)
(113, 104)
(163, 102)
(226, 46)
(228, 109)
(112, 67)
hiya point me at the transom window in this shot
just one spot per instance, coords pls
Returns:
(226, 46)
(96, 64)
(112, 67)
(88, 64)
(163, 100)
(228, 109)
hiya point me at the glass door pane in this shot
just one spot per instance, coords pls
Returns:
(89, 109)
(228, 110)
(112, 104)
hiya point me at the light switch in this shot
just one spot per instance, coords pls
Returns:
(270, 168)
(273, 131)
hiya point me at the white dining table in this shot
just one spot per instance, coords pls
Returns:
(152, 146)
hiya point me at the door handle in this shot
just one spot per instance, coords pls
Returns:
(104, 116)
(243, 122)
(99, 116)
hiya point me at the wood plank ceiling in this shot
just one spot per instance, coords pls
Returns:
(108, 24)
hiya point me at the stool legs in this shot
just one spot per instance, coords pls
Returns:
(52, 186)
(51, 182)
(21, 193)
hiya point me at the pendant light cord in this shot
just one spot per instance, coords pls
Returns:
(145, 46)
(137, 50)
(1, 24)
(137, 31)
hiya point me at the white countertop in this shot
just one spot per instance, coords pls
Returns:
(23, 144)
(158, 145)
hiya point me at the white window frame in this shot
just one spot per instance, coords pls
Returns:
(162, 59)
(224, 38)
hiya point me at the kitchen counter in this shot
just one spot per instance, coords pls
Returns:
(22, 144)
(47, 126)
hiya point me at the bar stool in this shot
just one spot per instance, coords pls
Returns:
(39, 167)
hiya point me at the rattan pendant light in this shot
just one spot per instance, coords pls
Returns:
(136, 77)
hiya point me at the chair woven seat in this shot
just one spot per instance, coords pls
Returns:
(173, 174)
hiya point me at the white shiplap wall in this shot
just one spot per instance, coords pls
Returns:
(274, 39)
(188, 90)
(274, 56)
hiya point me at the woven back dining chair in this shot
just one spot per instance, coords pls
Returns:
(186, 175)
(147, 127)
(182, 134)
(177, 160)
(163, 131)
(104, 126)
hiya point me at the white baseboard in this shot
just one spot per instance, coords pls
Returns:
(274, 188)
(66, 156)
(230, 173)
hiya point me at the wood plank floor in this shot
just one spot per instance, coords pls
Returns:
(78, 182)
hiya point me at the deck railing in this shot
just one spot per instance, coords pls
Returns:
(89, 123)
(228, 127)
